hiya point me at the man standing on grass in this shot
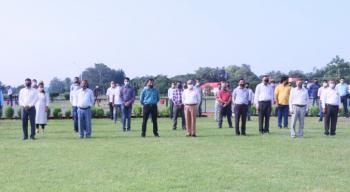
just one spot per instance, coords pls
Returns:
(342, 89)
(250, 101)
(313, 90)
(10, 95)
(298, 102)
(127, 95)
(117, 102)
(170, 101)
(85, 101)
(149, 100)
(178, 106)
(74, 102)
(264, 97)
(330, 104)
(321, 90)
(200, 92)
(240, 98)
(109, 94)
(191, 99)
(225, 100)
(282, 93)
(28, 97)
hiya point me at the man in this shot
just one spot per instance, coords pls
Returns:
(97, 92)
(217, 103)
(170, 95)
(75, 87)
(117, 102)
(298, 102)
(10, 94)
(330, 104)
(282, 93)
(85, 101)
(343, 91)
(127, 95)
(110, 93)
(178, 106)
(149, 100)
(191, 99)
(28, 96)
(225, 100)
(321, 90)
(313, 92)
(264, 97)
(200, 92)
(34, 84)
(250, 100)
(240, 97)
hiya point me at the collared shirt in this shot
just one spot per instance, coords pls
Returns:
(9, 91)
(313, 90)
(225, 96)
(342, 89)
(282, 93)
(85, 98)
(28, 97)
(251, 95)
(1, 98)
(110, 92)
(73, 95)
(263, 93)
(170, 92)
(127, 94)
(321, 91)
(240, 96)
(191, 97)
(117, 96)
(298, 97)
(177, 97)
(331, 97)
(149, 96)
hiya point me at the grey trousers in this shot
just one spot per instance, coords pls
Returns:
(298, 115)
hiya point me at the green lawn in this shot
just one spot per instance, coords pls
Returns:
(215, 161)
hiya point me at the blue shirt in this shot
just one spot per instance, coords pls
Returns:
(342, 89)
(313, 90)
(1, 98)
(149, 96)
(128, 94)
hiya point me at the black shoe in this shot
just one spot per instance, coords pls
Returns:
(220, 127)
(280, 127)
(244, 134)
(332, 134)
(156, 135)
(32, 138)
(194, 135)
(25, 138)
(327, 134)
(230, 127)
(143, 135)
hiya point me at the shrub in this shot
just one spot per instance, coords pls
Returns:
(9, 112)
(253, 110)
(57, 113)
(19, 112)
(48, 112)
(93, 111)
(53, 95)
(68, 113)
(164, 112)
(66, 96)
(137, 111)
(274, 111)
(100, 112)
(0, 112)
(108, 113)
(314, 111)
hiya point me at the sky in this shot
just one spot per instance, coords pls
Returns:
(60, 38)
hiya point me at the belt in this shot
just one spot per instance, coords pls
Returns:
(300, 105)
(84, 108)
(332, 105)
(191, 104)
(266, 101)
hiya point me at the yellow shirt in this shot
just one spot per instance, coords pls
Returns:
(282, 93)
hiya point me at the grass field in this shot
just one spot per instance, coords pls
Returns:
(215, 161)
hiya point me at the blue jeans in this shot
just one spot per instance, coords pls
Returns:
(75, 118)
(321, 111)
(282, 111)
(116, 112)
(126, 115)
(84, 116)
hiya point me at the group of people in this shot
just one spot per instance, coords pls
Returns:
(185, 101)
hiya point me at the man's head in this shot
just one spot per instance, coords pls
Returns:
(84, 84)
(76, 80)
(126, 81)
(325, 83)
(331, 84)
(179, 85)
(173, 85)
(299, 83)
(223, 85)
(34, 82)
(28, 82)
(150, 83)
(247, 85)
(113, 84)
(197, 82)
(190, 84)
(241, 83)
(316, 81)
(341, 80)
(265, 79)
(41, 86)
(284, 80)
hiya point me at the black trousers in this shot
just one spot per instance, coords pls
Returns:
(110, 104)
(171, 106)
(240, 111)
(264, 116)
(225, 111)
(331, 118)
(28, 114)
(344, 100)
(147, 110)
(179, 111)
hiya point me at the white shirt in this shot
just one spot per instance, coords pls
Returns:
(320, 92)
(85, 98)
(9, 91)
(331, 97)
(298, 97)
(28, 97)
(191, 97)
(73, 95)
(170, 93)
(110, 93)
(263, 93)
(240, 96)
(117, 96)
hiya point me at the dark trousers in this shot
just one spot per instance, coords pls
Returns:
(344, 101)
(282, 112)
(225, 111)
(314, 101)
(199, 111)
(179, 111)
(148, 110)
(171, 107)
(264, 116)
(111, 107)
(28, 114)
(331, 117)
(11, 100)
(42, 126)
(75, 118)
(240, 111)
(126, 116)
(249, 112)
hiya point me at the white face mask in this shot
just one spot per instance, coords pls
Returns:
(332, 85)
(126, 83)
(324, 84)
(190, 86)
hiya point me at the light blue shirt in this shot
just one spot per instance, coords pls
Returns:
(240, 96)
(342, 89)
(149, 96)
(1, 98)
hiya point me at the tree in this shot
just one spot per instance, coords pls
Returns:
(276, 75)
(57, 86)
(241, 72)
